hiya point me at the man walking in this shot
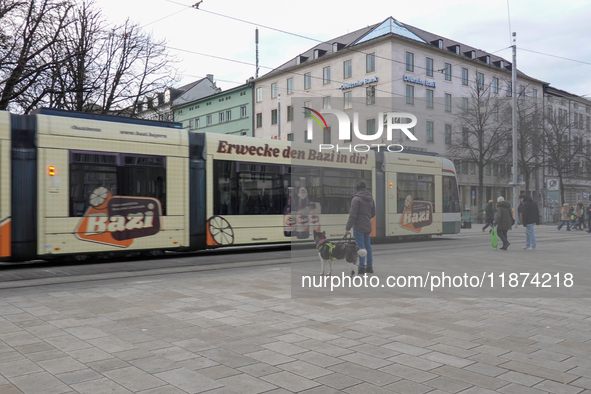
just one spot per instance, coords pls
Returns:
(504, 221)
(564, 217)
(490, 216)
(530, 216)
(363, 209)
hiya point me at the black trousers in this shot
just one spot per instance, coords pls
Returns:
(489, 222)
(503, 235)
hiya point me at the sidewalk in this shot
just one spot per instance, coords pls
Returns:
(238, 331)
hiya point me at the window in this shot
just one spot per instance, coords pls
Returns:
(429, 98)
(228, 115)
(451, 198)
(447, 70)
(412, 131)
(464, 167)
(410, 94)
(429, 66)
(121, 174)
(348, 98)
(480, 79)
(487, 169)
(243, 111)
(191, 124)
(465, 136)
(307, 138)
(521, 91)
(307, 104)
(221, 117)
(289, 85)
(448, 134)
(495, 169)
(326, 135)
(274, 90)
(370, 95)
(509, 89)
(464, 76)
(259, 95)
(465, 104)
(290, 136)
(326, 103)
(197, 123)
(347, 69)
(418, 186)
(273, 116)
(429, 131)
(289, 113)
(208, 120)
(259, 120)
(534, 94)
(370, 62)
(307, 80)
(495, 85)
(410, 61)
(472, 168)
(502, 168)
(588, 123)
(495, 113)
(370, 125)
(326, 75)
(447, 102)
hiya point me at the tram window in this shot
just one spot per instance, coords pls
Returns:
(420, 187)
(127, 175)
(451, 199)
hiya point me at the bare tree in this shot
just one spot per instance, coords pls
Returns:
(29, 30)
(529, 141)
(485, 135)
(563, 143)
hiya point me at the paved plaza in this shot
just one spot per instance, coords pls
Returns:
(195, 328)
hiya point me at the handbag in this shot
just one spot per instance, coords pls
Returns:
(493, 237)
(350, 247)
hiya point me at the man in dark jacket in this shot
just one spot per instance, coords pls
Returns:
(490, 215)
(530, 216)
(363, 209)
(504, 221)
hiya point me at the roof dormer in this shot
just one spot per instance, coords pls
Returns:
(301, 59)
(471, 54)
(455, 49)
(437, 43)
(318, 53)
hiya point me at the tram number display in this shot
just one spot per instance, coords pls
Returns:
(118, 220)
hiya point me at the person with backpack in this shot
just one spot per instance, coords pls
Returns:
(580, 215)
(530, 215)
(504, 221)
(489, 216)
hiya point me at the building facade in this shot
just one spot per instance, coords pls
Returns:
(568, 118)
(419, 72)
(225, 112)
(159, 105)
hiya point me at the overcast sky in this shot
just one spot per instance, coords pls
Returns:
(555, 27)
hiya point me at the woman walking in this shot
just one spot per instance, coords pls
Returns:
(564, 212)
(504, 221)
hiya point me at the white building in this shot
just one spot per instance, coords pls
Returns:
(423, 73)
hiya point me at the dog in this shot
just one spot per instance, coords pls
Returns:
(328, 251)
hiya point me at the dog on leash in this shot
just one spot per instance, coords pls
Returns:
(328, 251)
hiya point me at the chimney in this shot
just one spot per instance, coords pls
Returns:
(210, 77)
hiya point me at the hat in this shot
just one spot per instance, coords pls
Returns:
(490, 201)
(360, 185)
(565, 204)
(522, 196)
(501, 198)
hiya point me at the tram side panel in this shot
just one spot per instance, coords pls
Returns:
(5, 186)
(110, 187)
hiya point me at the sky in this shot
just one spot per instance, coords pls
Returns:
(553, 27)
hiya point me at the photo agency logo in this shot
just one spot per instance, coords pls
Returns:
(392, 121)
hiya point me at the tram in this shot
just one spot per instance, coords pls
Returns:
(75, 185)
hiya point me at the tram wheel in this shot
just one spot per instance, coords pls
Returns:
(220, 230)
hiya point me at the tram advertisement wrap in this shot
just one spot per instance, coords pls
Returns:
(416, 214)
(118, 220)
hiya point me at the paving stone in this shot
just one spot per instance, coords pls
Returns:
(9, 389)
(133, 379)
(270, 357)
(79, 376)
(408, 373)
(377, 378)
(513, 388)
(100, 386)
(404, 386)
(37, 383)
(219, 372)
(447, 384)
(305, 370)
(18, 368)
(520, 378)
(338, 381)
(259, 369)
(190, 381)
(289, 381)
(470, 377)
(246, 384)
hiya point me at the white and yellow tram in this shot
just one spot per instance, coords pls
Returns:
(79, 184)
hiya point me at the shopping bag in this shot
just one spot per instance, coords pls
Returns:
(493, 237)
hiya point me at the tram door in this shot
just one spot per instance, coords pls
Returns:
(5, 230)
(390, 201)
